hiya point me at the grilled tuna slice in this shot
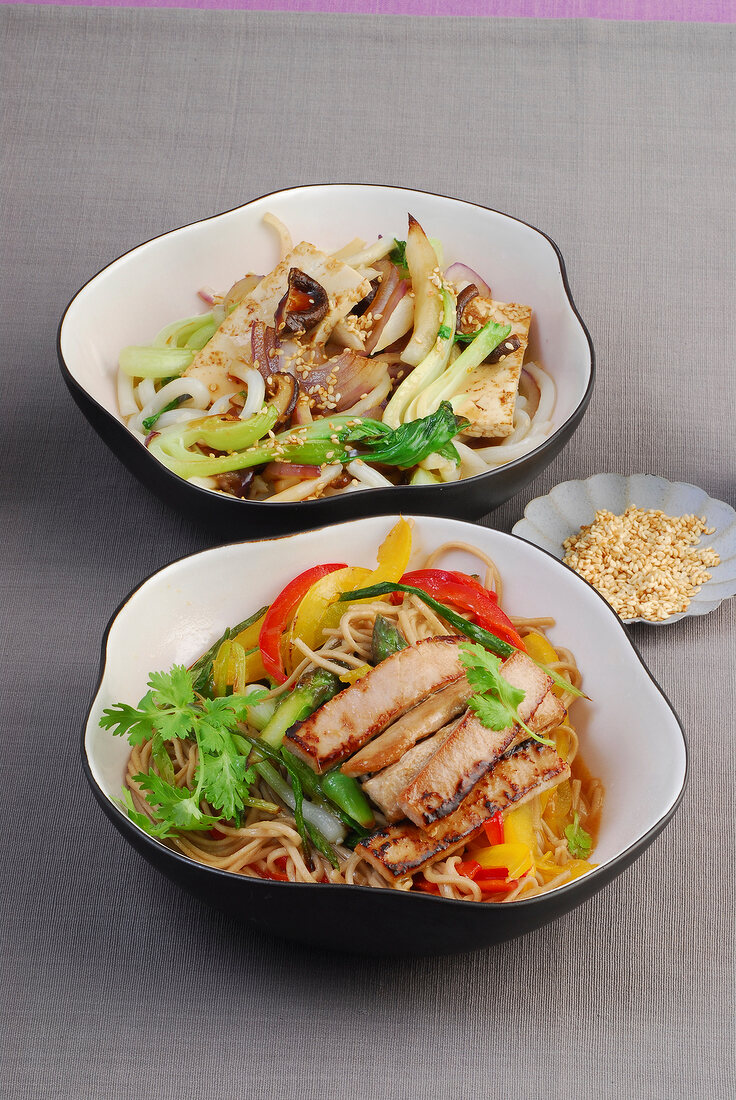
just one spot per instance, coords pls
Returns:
(528, 769)
(384, 789)
(344, 724)
(232, 342)
(419, 722)
(549, 714)
(471, 750)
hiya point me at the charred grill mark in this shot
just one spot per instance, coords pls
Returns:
(439, 809)
(415, 848)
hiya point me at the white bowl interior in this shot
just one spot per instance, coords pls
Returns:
(630, 736)
(157, 282)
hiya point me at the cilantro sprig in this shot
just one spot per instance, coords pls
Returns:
(579, 843)
(397, 256)
(172, 710)
(496, 701)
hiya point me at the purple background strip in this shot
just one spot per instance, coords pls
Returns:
(704, 11)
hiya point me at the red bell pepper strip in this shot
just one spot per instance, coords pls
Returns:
(280, 614)
(493, 829)
(464, 593)
(468, 867)
(276, 876)
(495, 885)
(426, 887)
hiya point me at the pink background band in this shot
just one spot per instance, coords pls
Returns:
(705, 11)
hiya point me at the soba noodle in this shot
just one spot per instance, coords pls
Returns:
(264, 843)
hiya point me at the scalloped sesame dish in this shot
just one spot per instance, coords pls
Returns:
(645, 563)
(371, 366)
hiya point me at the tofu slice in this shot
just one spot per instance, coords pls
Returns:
(385, 788)
(231, 342)
(401, 850)
(344, 724)
(492, 387)
(422, 720)
(472, 750)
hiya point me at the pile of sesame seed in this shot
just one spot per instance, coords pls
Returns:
(644, 563)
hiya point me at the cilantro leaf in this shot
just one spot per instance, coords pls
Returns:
(138, 724)
(491, 712)
(225, 778)
(579, 843)
(143, 821)
(172, 689)
(397, 256)
(496, 701)
(178, 807)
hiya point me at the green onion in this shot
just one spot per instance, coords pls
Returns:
(470, 630)
(152, 362)
(151, 420)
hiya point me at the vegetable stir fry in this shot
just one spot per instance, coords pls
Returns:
(382, 727)
(373, 366)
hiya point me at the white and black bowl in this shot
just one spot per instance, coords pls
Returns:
(157, 282)
(630, 736)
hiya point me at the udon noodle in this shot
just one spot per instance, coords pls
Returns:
(264, 844)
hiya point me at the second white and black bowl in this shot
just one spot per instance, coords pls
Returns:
(157, 282)
(630, 737)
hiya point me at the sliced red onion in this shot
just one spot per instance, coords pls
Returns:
(342, 380)
(389, 282)
(401, 288)
(461, 273)
(264, 341)
(207, 294)
(277, 470)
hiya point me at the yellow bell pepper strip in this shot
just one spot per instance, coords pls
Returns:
(558, 810)
(252, 671)
(549, 869)
(517, 859)
(354, 674)
(248, 635)
(518, 827)
(393, 554)
(540, 649)
(312, 615)
(320, 608)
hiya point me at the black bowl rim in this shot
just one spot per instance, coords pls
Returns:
(378, 494)
(603, 872)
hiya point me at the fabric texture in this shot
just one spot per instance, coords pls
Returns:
(688, 11)
(617, 140)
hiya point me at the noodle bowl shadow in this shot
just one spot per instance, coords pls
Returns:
(157, 282)
(630, 736)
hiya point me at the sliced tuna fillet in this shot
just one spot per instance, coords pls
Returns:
(344, 724)
(384, 789)
(471, 750)
(421, 721)
(400, 850)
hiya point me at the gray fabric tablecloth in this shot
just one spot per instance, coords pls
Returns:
(615, 138)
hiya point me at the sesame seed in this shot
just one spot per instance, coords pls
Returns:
(644, 563)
